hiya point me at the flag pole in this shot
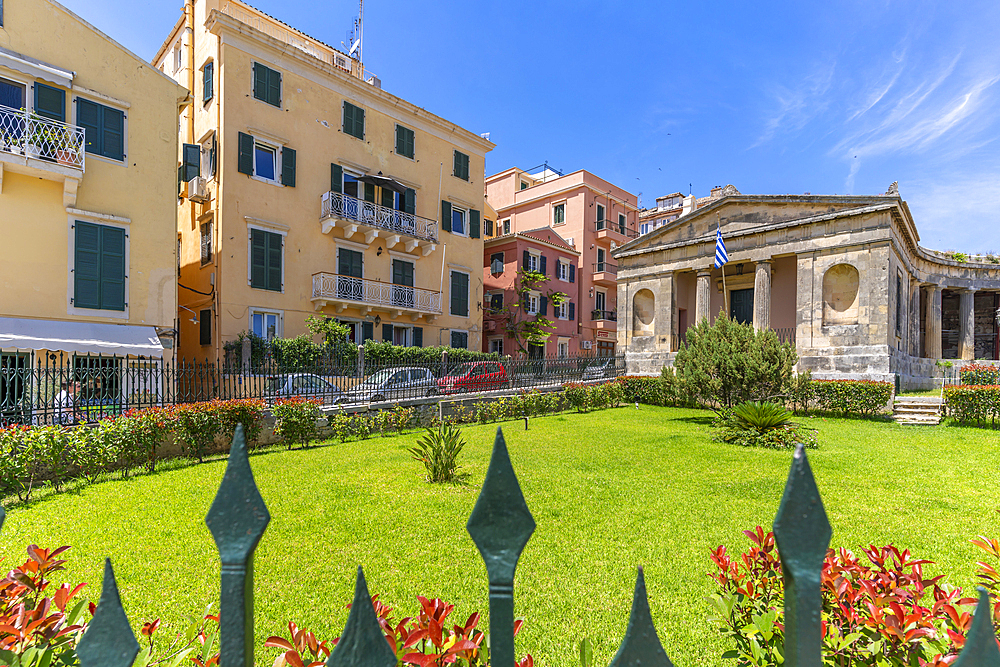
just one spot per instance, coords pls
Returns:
(725, 292)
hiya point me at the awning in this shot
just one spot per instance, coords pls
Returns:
(383, 182)
(36, 68)
(79, 337)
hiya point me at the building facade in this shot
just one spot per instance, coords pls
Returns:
(592, 215)
(844, 277)
(544, 251)
(87, 203)
(306, 189)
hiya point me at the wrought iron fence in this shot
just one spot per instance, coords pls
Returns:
(604, 315)
(25, 133)
(610, 225)
(500, 526)
(605, 267)
(336, 204)
(335, 287)
(69, 389)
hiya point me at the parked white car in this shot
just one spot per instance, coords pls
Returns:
(393, 384)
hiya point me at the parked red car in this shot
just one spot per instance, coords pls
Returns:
(474, 376)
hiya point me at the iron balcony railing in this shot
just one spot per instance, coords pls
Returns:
(604, 315)
(613, 226)
(346, 207)
(335, 287)
(605, 267)
(31, 136)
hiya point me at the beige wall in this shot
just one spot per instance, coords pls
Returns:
(138, 194)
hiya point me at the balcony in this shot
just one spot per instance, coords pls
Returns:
(612, 231)
(398, 228)
(44, 148)
(605, 273)
(344, 292)
(604, 319)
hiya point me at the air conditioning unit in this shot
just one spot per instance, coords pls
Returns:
(197, 190)
(375, 82)
(342, 62)
(490, 325)
(587, 344)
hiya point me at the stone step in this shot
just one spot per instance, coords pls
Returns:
(912, 408)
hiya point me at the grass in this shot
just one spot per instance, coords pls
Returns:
(609, 491)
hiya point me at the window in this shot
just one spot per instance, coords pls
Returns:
(458, 221)
(621, 223)
(461, 166)
(265, 324)
(524, 185)
(601, 260)
(531, 304)
(266, 161)
(206, 243)
(402, 284)
(190, 162)
(488, 228)
(207, 82)
(563, 349)
(496, 302)
(178, 58)
(496, 345)
(459, 294)
(600, 301)
(208, 157)
(11, 94)
(104, 127)
(354, 120)
(205, 327)
(266, 84)
(496, 263)
(99, 267)
(506, 226)
(559, 214)
(531, 261)
(460, 339)
(644, 228)
(562, 270)
(265, 260)
(404, 141)
(561, 311)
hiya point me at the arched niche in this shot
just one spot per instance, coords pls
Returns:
(643, 313)
(840, 295)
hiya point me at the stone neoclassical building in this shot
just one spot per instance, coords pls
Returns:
(842, 276)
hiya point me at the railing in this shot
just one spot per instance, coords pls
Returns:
(339, 205)
(605, 267)
(500, 526)
(604, 315)
(602, 225)
(336, 287)
(785, 334)
(105, 386)
(27, 134)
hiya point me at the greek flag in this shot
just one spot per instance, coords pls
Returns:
(721, 257)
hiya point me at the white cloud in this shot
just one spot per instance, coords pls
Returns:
(956, 211)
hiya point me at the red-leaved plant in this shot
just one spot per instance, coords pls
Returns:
(877, 610)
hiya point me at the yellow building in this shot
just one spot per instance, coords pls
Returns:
(308, 190)
(88, 150)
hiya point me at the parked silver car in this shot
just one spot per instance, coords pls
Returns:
(305, 385)
(393, 384)
(599, 370)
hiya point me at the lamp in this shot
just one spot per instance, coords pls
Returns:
(194, 319)
(378, 320)
(379, 253)
(591, 291)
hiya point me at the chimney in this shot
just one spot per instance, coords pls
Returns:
(717, 191)
(689, 205)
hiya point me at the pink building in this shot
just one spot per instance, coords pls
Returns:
(541, 250)
(593, 216)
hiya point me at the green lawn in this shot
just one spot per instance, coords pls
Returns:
(609, 491)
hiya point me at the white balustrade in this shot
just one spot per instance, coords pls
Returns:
(334, 287)
(32, 136)
(346, 207)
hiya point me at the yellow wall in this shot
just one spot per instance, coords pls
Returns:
(35, 225)
(310, 121)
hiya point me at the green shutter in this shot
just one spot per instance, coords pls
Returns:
(191, 165)
(336, 178)
(50, 102)
(244, 163)
(348, 124)
(404, 141)
(288, 167)
(543, 306)
(410, 201)
(459, 294)
(370, 192)
(273, 87)
(258, 259)
(445, 215)
(367, 331)
(418, 336)
(457, 166)
(474, 223)
(112, 268)
(211, 156)
(87, 266)
(113, 127)
(208, 82)
(274, 261)
(359, 123)
(387, 333)
(387, 198)
(260, 82)
(354, 120)
(88, 116)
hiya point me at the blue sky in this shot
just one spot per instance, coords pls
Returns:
(837, 97)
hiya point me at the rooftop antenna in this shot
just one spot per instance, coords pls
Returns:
(357, 34)
(690, 186)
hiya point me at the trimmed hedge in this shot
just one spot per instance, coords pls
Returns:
(387, 354)
(977, 404)
(661, 390)
(865, 398)
(980, 374)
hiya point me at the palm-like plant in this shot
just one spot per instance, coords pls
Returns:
(438, 450)
(761, 415)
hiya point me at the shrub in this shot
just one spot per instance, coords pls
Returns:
(52, 452)
(864, 398)
(197, 424)
(246, 411)
(438, 450)
(90, 453)
(755, 424)
(980, 374)
(727, 362)
(20, 461)
(800, 391)
(880, 610)
(295, 420)
(648, 390)
(973, 403)
(381, 353)
(296, 354)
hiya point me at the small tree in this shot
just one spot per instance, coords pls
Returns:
(726, 363)
(527, 328)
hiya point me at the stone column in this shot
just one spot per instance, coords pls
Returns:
(665, 323)
(932, 330)
(762, 296)
(914, 328)
(703, 296)
(967, 324)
